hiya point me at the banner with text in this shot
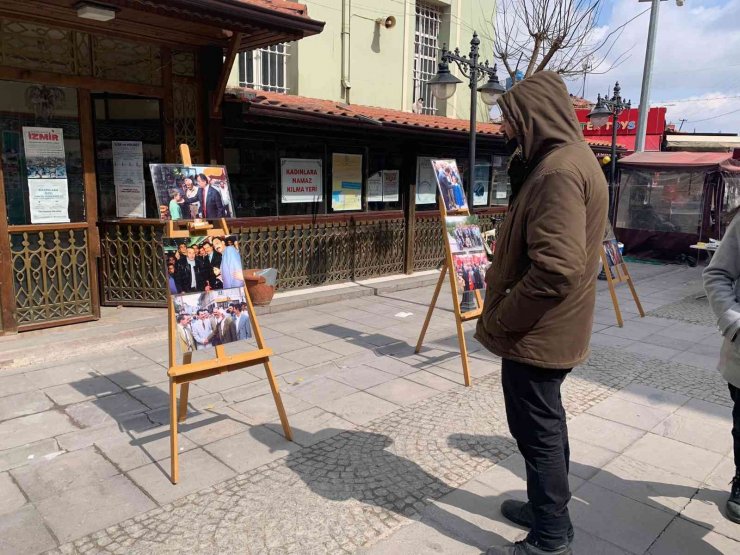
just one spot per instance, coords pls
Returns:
(128, 178)
(46, 169)
(301, 180)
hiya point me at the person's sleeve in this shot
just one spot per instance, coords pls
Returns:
(719, 281)
(556, 246)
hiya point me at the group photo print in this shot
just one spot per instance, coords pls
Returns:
(450, 185)
(191, 192)
(203, 263)
(211, 318)
(470, 269)
(463, 233)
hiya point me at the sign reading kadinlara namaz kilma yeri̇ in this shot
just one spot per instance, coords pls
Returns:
(301, 180)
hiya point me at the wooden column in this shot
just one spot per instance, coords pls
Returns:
(168, 109)
(408, 263)
(87, 138)
(7, 297)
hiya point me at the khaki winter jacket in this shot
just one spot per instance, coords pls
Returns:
(541, 287)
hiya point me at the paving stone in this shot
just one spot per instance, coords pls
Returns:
(212, 426)
(588, 544)
(132, 450)
(606, 340)
(262, 409)
(313, 425)
(345, 348)
(603, 433)
(320, 390)
(683, 536)
(105, 410)
(361, 376)
(680, 458)
(12, 385)
(80, 511)
(12, 497)
(245, 392)
(586, 459)
(716, 414)
(624, 522)
(305, 375)
(137, 377)
(392, 366)
(48, 478)
(696, 431)
(198, 470)
(257, 446)
(79, 439)
(83, 390)
(227, 380)
(25, 454)
(22, 532)
(125, 360)
(706, 362)
(402, 391)
(32, 428)
(652, 351)
(421, 537)
(628, 413)
(359, 408)
(633, 330)
(647, 484)
(652, 397)
(312, 355)
(22, 404)
(65, 373)
(432, 380)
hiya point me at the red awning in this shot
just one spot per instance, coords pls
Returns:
(707, 160)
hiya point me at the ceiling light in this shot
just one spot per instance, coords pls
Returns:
(96, 12)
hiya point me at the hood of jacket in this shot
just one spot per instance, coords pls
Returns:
(540, 110)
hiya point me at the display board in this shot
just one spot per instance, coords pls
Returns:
(204, 319)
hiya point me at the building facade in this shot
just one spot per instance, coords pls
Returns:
(374, 53)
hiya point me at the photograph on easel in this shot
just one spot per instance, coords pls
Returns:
(202, 263)
(463, 233)
(613, 255)
(211, 318)
(450, 185)
(470, 269)
(191, 192)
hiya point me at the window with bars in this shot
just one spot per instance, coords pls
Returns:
(426, 46)
(265, 69)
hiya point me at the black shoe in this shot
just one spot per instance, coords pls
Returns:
(733, 503)
(523, 547)
(520, 513)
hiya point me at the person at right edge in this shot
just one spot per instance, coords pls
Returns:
(722, 285)
(540, 295)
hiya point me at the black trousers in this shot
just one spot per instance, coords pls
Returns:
(735, 394)
(536, 418)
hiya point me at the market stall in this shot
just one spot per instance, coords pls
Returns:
(671, 200)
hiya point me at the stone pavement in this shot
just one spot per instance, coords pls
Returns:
(392, 454)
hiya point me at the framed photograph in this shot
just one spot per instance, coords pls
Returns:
(464, 234)
(204, 320)
(450, 184)
(203, 263)
(613, 256)
(471, 269)
(191, 192)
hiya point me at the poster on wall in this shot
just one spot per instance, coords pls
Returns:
(482, 182)
(128, 179)
(300, 180)
(382, 186)
(346, 181)
(391, 180)
(426, 183)
(46, 169)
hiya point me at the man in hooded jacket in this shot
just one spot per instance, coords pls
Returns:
(540, 296)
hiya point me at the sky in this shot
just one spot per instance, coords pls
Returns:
(696, 72)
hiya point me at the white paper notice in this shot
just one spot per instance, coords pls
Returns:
(48, 200)
(426, 183)
(128, 178)
(375, 188)
(46, 169)
(390, 185)
(301, 180)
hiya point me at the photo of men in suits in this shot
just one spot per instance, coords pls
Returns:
(203, 191)
(211, 318)
(471, 270)
(203, 263)
(463, 233)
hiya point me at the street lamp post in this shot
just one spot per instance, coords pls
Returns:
(443, 87)
(610, 108)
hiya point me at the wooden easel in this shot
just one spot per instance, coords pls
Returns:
(460, 316)
(188, 371)
(622, 275)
